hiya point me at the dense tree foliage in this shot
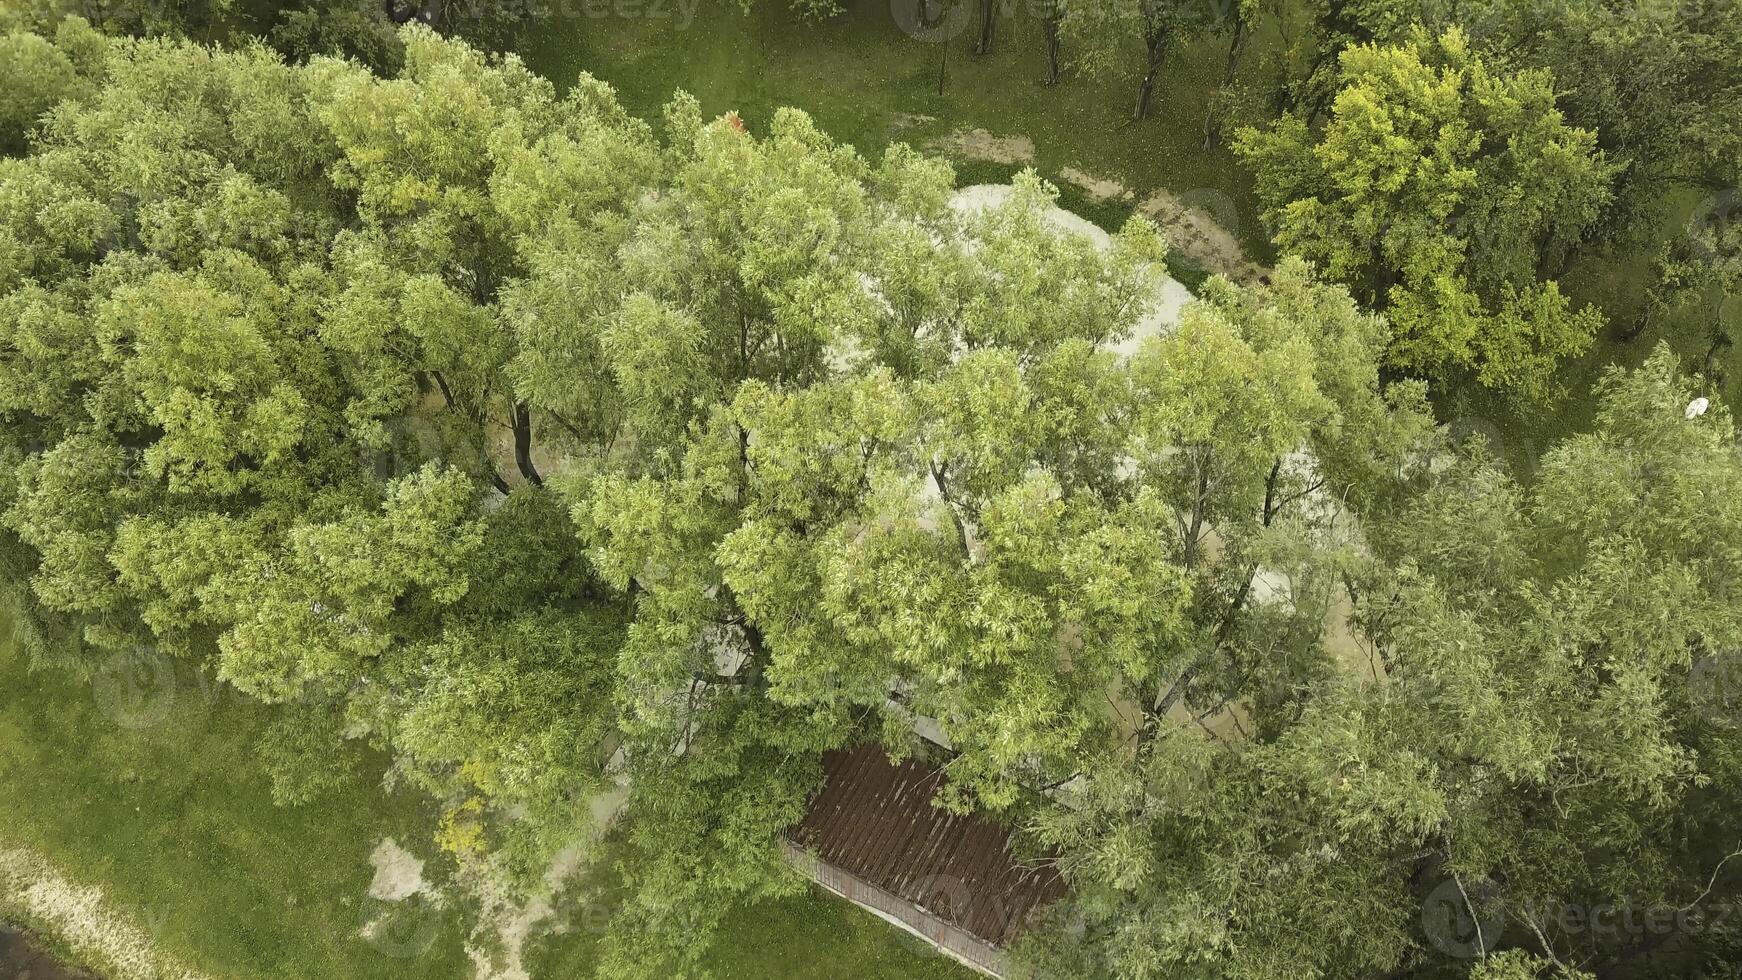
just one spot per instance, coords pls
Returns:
(1448, 196)
(546, 447)
(223, 345)
(361, 29)
(1520, 723)
(1659, 83)
(1654, 89)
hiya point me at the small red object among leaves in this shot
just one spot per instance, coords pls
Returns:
(733, 121)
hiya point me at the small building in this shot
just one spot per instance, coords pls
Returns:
(872, 836)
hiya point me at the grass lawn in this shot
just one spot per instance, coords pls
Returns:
(173, 819)
(170, 815)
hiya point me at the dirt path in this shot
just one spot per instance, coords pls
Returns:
(980, 144)
(1201, 224)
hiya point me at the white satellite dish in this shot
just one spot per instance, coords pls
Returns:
(1697, 407)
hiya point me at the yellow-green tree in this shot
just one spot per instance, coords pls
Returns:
(1448, 195)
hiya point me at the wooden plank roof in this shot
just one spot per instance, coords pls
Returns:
(875, 821)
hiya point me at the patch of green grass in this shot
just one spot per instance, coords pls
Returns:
(821, 937)
(162, 805)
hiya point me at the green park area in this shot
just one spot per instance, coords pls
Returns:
(1252, 485)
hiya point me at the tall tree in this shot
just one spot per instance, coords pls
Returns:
(1659, 83)
(1103, 34)
(213, 436)
(1448, 196)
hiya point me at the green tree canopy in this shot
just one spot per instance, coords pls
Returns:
(1447, 195)
(549, 448)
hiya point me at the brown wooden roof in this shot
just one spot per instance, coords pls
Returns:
(875, 821)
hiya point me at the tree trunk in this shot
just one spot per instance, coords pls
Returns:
(447, 393)
(523, 444)
(1155, 44)
(988, 26)
(1212, 129)
(938, 475)
(754, 664)
(1384, 277)
(1640, 323)
(495, 477)
(1553, 258)
(1200, 506)
(1304, 93)
(1236, 51)
(943, 64)
(1051, 28)
(1720, 341)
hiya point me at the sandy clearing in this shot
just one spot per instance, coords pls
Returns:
(1099, 188)
(1202, 224)
(981, 144)
(398, 873)
(506, 921)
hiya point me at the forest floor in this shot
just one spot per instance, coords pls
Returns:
(136, 800)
